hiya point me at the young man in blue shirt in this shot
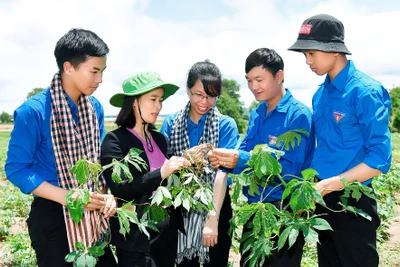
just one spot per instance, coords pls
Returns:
(278, 113)
(52, 131)
(351, 116)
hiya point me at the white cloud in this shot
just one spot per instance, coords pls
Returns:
(139, 42)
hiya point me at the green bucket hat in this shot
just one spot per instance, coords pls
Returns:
(140, 84)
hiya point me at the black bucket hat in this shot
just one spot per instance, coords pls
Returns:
(321, 32)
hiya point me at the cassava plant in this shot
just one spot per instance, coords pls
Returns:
(273, 227)
(183, 189)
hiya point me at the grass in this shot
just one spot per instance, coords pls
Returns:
(4, 138)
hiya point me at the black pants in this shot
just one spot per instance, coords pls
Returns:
(219, 254)
(162, 247)
(353, 239)
(284, 257)
(48, 235)
(134, 259)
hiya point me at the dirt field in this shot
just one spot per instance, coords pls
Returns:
(6, 127)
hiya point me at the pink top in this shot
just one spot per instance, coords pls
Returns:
(156, 158)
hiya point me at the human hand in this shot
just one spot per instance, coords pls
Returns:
(329, 185)
(197, 153)
(223, 157)
(173, 164)
(96, 202)
(210, 230)
(110, 206)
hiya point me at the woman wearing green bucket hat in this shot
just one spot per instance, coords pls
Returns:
(140, 105)
(207, 240)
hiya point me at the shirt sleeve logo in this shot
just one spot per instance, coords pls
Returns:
(272, 139)
(338, 115)
(305, 29)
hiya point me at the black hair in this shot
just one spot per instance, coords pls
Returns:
(126, 116)
(76, 46)
(269, 59)
(209, 74)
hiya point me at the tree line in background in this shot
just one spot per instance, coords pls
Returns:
(229, 103)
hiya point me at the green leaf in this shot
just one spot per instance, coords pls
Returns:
(157, 213)
(356, 211)
(86, 197)
(86, 260)
(302, 198)
(186, 204)
(80, 246)
(320, 224)
(310, 235)
(76, 206)
(72, 256)
(293, 237)
(288, 139)
(157, 198)
(94, 168)
(254, 189)
(236, 192)
(284, 236)
(96, 251)
(165, 192)
(116, 172)
(309, 174)
(256, 224)
(81, 170)
(127, 172)
(289, 187)
(178, 200)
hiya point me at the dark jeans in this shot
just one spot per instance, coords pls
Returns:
(48, 235)
(219, 254)
(284, 257)
(353, 239)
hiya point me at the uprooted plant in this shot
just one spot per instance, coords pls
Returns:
(272, 227)
(184, 188)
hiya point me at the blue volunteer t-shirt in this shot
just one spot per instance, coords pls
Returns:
(351, 115)
(30, 156)
(289, 114)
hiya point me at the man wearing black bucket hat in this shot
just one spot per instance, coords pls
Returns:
(351, 116)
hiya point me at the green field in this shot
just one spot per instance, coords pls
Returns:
(14, 207)
(4, 137)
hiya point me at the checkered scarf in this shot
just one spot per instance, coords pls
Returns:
(190, 245)
(72, 142)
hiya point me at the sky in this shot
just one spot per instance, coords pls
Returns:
(169, 36)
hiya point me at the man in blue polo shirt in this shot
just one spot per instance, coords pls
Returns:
(351, 116)
(278, 113)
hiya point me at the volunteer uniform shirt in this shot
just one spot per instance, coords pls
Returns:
(30, 157)
(289, 114)
(351, 116)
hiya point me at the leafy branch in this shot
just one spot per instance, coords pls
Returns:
(273, 227)
(184, 188)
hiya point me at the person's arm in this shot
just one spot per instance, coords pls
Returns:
(210, 230)
(24, 142)
(228, 138)
(373, 109)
